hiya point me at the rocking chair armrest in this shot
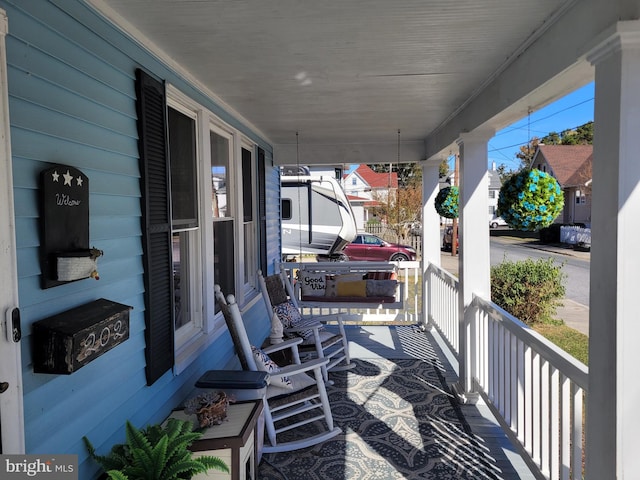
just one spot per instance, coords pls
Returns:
(329, 317)
(290, 343)
(310, 326)
(303, 367)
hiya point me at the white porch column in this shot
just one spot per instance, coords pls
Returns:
(473, 234)
(613, 416)
(430, 231)
(430, 218)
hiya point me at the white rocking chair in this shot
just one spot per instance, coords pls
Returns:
(291, 408)
(322, 343)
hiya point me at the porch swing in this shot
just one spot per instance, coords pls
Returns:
(343, 284)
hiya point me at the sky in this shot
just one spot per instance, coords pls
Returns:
(571, 111)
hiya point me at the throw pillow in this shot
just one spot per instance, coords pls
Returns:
(381, 288)
(287, 313)
(264, 363)
(332, 282)
(312, 283)
(352, 289)
(381, 276)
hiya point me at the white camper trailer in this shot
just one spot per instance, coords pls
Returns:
(316, 216)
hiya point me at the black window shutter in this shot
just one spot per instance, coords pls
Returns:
(156, 224)
(262, 210)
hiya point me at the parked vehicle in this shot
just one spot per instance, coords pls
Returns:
(447, 239)
(368, 247)
(496, 222)
(316, 216)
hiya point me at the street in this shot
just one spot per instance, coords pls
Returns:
(576, 265)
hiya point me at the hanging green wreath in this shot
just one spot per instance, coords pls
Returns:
(447, 202)
(530, 200)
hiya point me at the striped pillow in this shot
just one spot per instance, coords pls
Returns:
(381, 276)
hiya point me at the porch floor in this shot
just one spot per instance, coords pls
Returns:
(373, 341)
(498, 459)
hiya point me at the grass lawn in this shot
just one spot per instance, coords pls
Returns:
(571, 341)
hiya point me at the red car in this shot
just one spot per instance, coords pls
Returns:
(369, 247)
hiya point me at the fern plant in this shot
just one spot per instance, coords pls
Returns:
(156, 453)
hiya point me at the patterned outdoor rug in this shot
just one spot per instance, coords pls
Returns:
(399, 420)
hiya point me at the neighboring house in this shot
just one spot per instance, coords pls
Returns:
(571, 165)
(365, 184)
(494, 190)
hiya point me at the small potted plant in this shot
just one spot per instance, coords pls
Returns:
(158, 452)
(446, 202)
(530, 200)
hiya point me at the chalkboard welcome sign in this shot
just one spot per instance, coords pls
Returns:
(64, 224)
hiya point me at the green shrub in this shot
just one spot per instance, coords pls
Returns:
(529, 290)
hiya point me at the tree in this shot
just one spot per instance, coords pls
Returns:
(399, 209)
(408, 173)
(444, 168)
(582, 135)
(527, 152)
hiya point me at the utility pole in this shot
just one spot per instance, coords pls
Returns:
(454, 229)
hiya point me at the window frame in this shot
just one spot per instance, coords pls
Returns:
(190, 338)
(246, 275)
(207, 325)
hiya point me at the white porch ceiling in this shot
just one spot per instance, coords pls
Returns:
(347, 75)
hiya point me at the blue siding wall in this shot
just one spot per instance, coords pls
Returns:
(72, 101)
(273, 214)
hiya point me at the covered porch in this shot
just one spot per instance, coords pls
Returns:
(315, 83)
(526, 398)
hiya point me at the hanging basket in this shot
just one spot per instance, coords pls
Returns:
(447, 202)
(530, 200)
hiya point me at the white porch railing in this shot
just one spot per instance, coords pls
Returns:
(535, 389)
(442, 304)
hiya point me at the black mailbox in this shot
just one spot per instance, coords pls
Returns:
(69, 340)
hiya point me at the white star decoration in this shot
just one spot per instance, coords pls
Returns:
(55, 176)
(67, 178)
(79, 180)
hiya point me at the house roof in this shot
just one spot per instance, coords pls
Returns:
(375, 179)
(569, 163)
(494, 180)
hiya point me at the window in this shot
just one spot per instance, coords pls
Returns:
(492, 209)
(222, 208)
(581, 198)
(285, 208)
(250, 235)
(492, 194)
(354, 181)
(235, 249)
(186, 249)
(200, 222)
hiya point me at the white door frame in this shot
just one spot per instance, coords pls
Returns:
(11, 405)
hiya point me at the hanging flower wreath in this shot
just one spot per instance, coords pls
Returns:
(447, 202)
(530, 200)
